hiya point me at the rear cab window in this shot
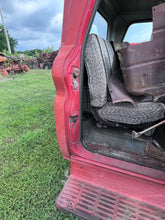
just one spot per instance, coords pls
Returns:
(139, 32)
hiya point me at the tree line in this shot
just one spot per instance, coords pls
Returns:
(14, 43)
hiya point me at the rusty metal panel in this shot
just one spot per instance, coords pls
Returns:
(143, 65)
(118, 92)
(158, 18)
(156, 151)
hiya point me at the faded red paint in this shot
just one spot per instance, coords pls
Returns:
(4, 72)
(67, 99)
(12, 67)
(107, 193)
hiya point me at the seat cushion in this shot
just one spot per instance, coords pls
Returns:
(126, 113)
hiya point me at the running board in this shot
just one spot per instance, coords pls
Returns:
(88, 195)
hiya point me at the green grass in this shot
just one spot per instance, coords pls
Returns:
(32, 170)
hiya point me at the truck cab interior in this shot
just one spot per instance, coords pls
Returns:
(123, 83)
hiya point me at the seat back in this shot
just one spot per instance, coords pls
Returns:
(102, 68)
(100, 62)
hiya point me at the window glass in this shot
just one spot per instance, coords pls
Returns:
(139, 32)
(99, 26)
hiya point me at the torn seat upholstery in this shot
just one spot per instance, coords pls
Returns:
(102, 65)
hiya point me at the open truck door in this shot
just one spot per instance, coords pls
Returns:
(109, 110)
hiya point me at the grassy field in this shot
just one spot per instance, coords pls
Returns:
(32, 170)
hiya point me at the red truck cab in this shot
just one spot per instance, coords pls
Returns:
(109, 111)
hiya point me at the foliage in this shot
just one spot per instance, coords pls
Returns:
(6, 52)
(49, 49)
(30, 53)
(31, 165)
(3, 44)
(36, 52)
